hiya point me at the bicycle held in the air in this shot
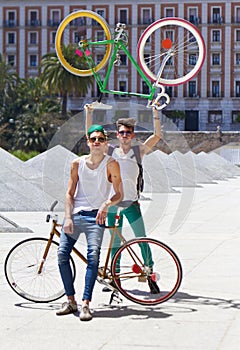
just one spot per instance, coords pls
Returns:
(170, 52)
(31, 268)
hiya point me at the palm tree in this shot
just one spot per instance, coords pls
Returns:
(59, 81)
(8, 84)
(34, 125)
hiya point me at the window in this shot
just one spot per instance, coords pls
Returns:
(34, 21)
(122, 85)
(99, 58)
(55, 15)
(235, 117)
(123, 59)
(237, 88)
(101, 12)
(215, 88)
(192, 59)
(53, 37)
(216, 59)
(11, 60)
(33, 60)
(33, 38)
(192, 89)
(237, 12)
(145, 88)
(238, 35)
(216, 35)
(146, 16)
(169, 12)
(169, 91)
(99, 35)
(11, 15)
(123, 16)
(144, 116)
(216, 15)
(11, 38)
(170, 61)
(193, 15)
(215, 117)
(237, 57)
(169, 34)
(147, 59)
(76, 37)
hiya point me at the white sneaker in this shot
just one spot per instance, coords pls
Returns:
(67, 308)
(85, 314)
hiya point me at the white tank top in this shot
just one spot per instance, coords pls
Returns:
(129, 173)
(93, 187)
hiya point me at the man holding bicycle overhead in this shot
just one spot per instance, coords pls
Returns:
(87, 200)
(125, 154)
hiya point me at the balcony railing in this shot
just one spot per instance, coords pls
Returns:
(236, 20)
(10, 23)
(217, 20)
(33, 23)
(194, 19)
(53, 23)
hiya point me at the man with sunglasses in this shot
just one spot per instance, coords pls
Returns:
(87, 200)
(124, 154)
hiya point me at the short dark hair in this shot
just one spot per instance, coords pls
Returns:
(128, 122)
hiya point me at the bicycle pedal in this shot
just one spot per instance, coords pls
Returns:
(99, 105)
(115, 297)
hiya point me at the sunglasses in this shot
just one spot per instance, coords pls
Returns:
(125, 133)
(100, 139)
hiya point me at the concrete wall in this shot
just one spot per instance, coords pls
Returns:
(196, 142)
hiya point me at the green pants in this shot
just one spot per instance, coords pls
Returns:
(135, 219)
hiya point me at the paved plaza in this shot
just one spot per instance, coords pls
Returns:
(203, 315)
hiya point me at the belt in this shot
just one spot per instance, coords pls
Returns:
(92, 213)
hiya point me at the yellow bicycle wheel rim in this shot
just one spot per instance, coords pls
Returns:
(104, 26)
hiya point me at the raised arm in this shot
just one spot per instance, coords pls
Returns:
(88, 117)
(157, 132)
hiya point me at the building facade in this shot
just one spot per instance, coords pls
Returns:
(212, 98)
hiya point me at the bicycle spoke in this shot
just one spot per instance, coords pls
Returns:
(22, 271)
(91, 30)
(178, 39)
(141, 283)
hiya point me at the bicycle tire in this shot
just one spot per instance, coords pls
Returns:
(21, 266)
(82, 25)
(132, 276)
(185, 43)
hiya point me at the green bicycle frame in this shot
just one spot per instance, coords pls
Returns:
(119, 45)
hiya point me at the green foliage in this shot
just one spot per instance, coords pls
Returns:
(178, 115)
(24, 155)
(237, 120)
(58, 80)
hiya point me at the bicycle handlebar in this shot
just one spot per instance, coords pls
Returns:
(53, 205)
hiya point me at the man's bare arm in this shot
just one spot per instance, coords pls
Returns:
(88, 117)
(69, 197)
(113, 170)
(157, 135)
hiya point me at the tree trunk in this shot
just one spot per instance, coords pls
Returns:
(64, 105)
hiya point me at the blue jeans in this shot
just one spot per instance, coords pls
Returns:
(83, 222)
